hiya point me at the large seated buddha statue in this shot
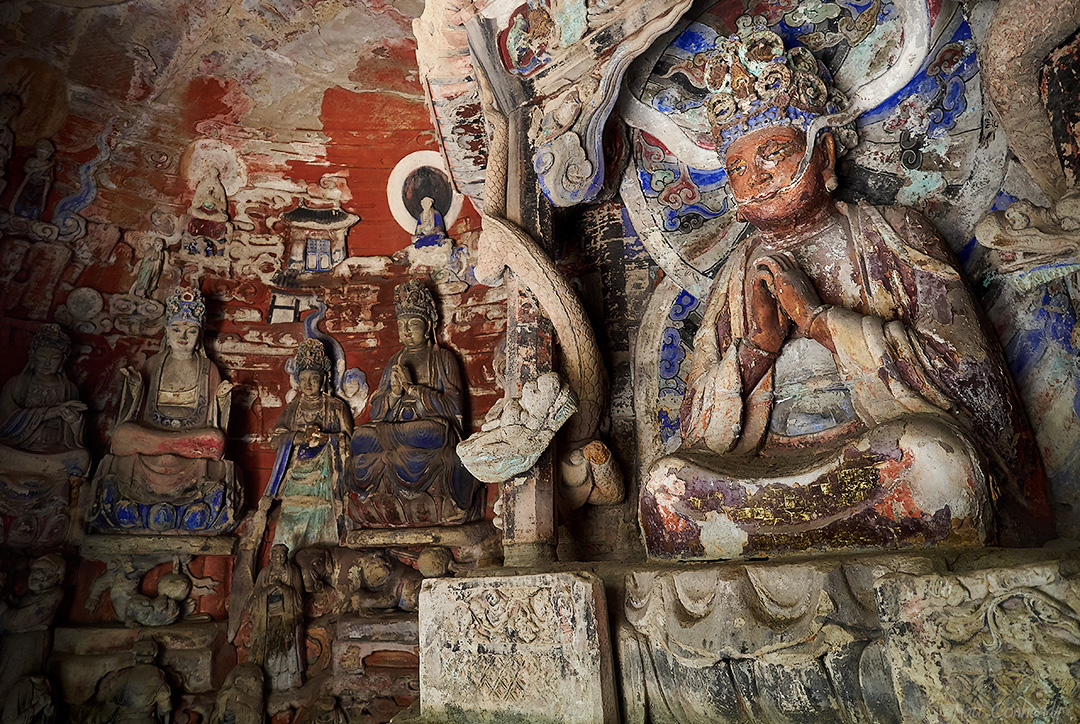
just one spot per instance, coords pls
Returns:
(167, 470)
(405, 469)
(41, 444)
(843, 390)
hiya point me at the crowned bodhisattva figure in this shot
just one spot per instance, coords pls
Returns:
(167, 470)
(406, 471)
(843, 390)
(312, 439)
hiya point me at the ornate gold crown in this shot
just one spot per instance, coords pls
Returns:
(51, 336)
(412, 299)
(185, 305)
(754, 82)
(311, 355)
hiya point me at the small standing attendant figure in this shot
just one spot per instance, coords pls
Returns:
(34, 190)
(311, 438)
(277, 617)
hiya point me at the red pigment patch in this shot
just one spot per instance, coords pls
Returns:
(899, 498)
(218, 99)
(391, 66)
(368, 135)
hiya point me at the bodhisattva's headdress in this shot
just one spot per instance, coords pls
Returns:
(185, 305)
(51, 336)
(412, 299)
(312, 356)
(754, 83)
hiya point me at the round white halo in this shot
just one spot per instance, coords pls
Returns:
(394, 186)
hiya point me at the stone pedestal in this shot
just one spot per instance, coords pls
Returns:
(531, 648)
(943, 636)
(1001, 644)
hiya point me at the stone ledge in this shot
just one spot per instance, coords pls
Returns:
(455, 536)
(101, 546)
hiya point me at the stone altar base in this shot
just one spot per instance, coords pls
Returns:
(989, 635)
(532, 648)
(941, 636)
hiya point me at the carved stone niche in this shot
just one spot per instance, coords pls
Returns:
(870, 639)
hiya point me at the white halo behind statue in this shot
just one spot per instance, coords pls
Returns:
(410, 175)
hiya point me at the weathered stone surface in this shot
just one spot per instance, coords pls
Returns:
(195, 655)
(523, 648)
(1001, 644)
(103, 547)
(357, 638)
(448, 536)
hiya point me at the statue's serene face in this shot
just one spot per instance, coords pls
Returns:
(412, 331)
(182, 337)
(47, 360)
(311, 382)
(762, 170)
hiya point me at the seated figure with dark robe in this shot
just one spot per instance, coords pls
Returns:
(167, 470)
(406, 471)
(843, 390)
(41, 444)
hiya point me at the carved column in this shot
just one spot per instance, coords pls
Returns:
(528, 501)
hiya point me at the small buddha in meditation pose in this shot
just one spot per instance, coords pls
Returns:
(167, 469)
(430, 229)
(312, 440)
(208, 216)
(405, 468)
(843, 391)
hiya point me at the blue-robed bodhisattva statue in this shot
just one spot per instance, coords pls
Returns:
(406, 472)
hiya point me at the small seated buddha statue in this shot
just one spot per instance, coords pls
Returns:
(312, 441)
(167, 471)
(41, 443)
(843, 391)
(406, 471)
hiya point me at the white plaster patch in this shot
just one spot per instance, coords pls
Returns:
(721, 537)
(945, 476)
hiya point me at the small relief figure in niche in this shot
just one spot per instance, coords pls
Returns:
(240, 699)
(525, 42)
(33, 192)
(430, 229)
(208, 217)
(405, 468)
(10, 105)
(277, 616)
(167, 471)
(318, 570)
(123, 580)
(41, 417)
(30, 702)
(139, 694)
(380, 583)
(841, 365)
(324, 710)
(149, 271)
(26, 620)
(312, 439)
